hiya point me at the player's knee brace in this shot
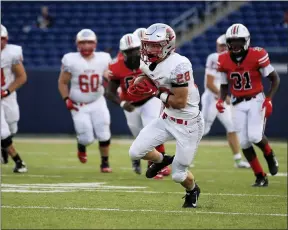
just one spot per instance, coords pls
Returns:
(6, 142)
(179, 177)
(104, 143)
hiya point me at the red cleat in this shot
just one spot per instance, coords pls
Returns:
(82, 156)
(106, 170)
(166, 171)
(159, 176)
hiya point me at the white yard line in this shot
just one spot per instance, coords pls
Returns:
(144, 210)
(63, 140)
(29, 175)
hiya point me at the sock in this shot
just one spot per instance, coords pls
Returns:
(104, 160)
(161, 149)
(161, 159)
(17, 159)
(237, 158)
(251, 157)
(266, 149)
(81, 148)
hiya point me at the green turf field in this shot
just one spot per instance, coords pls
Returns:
(59, 192)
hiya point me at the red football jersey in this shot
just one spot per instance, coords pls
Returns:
(121, 73)
(244, 77)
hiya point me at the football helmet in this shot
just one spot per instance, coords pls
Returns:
(221, 43)
(140, 32)
(238, 39)
(86, 41)
(130, 48)
(4, 36)
(158, 42)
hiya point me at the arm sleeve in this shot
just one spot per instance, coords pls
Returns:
(65, 65)
(263, 57)
(18, 57)
(265, 71)
(181, 75)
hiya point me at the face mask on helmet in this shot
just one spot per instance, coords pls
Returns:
(236, 46)
(86, 48)
(153, 50)
(132, 58)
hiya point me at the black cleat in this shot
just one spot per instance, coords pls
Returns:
(136, 165)
(153, 170)
(20, 167)
(4, 156)
(191, 198)
(272, 163)
(261, 181)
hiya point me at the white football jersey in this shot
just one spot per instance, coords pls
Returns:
(211, 69)
(10, 55)
(87, 75)
(176, 71)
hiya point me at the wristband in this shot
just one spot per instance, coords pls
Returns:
(122, 103)
(65, 98)
(164, 97)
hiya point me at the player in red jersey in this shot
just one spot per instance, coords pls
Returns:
(242, 69)
(138, 111)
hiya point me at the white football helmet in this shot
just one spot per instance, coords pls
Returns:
(140, 32)
(158, 42)
(221, 40)
(238, 32)
(129, 41)
(86, 35)
(4, 32)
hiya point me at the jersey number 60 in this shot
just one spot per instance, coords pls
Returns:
(89, 84)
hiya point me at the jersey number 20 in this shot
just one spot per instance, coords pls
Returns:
(89, 84)
(241, 81)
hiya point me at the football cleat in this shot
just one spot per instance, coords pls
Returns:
(159, 176)
(20, 167)
(136, 165)
(155, 168)
(104, 168)
(272, 163)
(165, 171)
(82, 156)
(242, 164)
(191, 198)
(261, 181)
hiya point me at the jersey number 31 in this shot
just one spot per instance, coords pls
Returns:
(89, 83)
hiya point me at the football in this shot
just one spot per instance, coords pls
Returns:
(141, 78)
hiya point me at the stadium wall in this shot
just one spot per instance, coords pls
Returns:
(43, 111)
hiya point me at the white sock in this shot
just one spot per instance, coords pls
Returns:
(237, 156)
(160, 159)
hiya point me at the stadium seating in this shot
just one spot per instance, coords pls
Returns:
(111, 20)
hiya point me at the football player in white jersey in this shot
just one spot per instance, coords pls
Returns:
(181, 119)
(13, 76)
(209, 99)
(138, 112)
(84, 71)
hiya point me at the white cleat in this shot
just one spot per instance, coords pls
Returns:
(242, 164)
(20, 168)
